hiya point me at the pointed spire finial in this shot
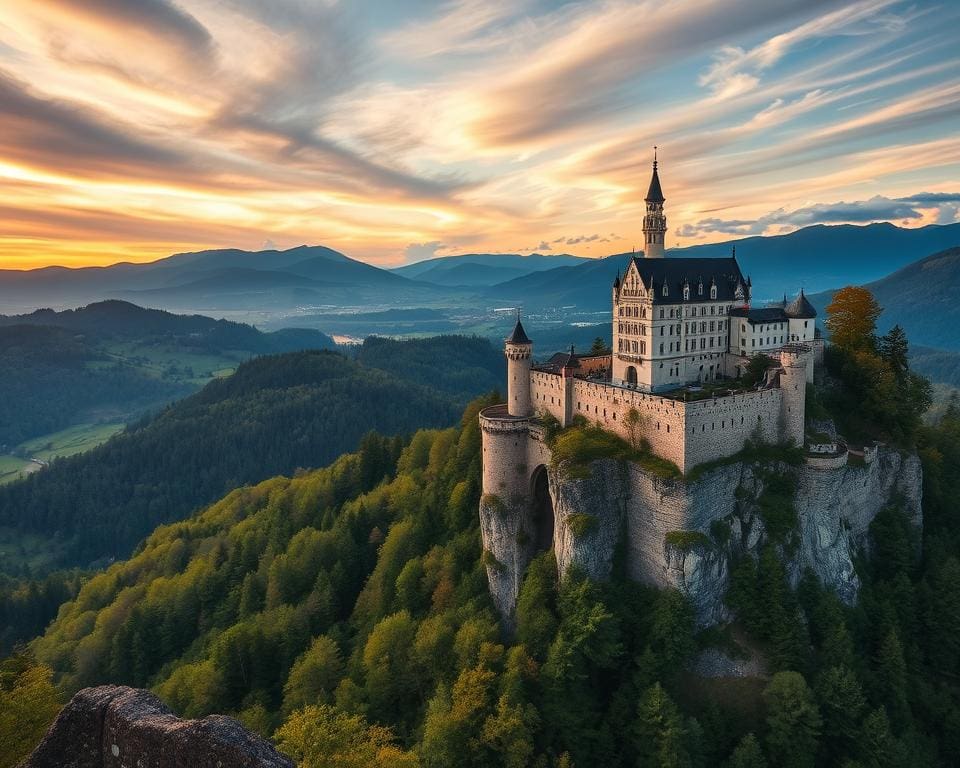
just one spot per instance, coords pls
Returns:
(654, 157)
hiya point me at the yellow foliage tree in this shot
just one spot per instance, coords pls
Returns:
(322, 737)
(28, 704)
(852, 318)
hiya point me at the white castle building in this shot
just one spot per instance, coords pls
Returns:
(678, 324)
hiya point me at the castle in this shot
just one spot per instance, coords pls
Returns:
(684, 333)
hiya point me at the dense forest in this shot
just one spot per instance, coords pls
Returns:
(274, 415)
(48, 375)
(344, 612)
(348, 607)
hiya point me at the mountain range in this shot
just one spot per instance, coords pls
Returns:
(276, 282)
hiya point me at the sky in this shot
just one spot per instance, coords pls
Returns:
(400, 130)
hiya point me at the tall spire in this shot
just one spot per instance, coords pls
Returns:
(654, 222)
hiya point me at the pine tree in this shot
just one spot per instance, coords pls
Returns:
(793, 721)
(748, 754)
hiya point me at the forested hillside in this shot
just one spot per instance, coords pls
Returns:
(112, 360)
(336, 604)
(273, 416)
(48, 376)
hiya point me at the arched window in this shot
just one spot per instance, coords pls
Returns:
(713, 292)
(665, 292)
(686, 293)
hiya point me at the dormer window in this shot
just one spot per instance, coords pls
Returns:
(664, 289)
(686, 293)
(713, 292)
(700, 289)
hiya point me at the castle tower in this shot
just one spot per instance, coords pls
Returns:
(654, 222)
(793, 383)
(518, 350)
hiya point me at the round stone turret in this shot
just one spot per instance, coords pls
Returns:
(518, 350)
(793, 383)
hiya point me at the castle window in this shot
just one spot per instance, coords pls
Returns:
(686, 293)
(664, 293)
(661, 348)
(713, 292)
(700, 289)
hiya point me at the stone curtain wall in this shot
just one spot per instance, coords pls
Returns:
(547, 394)
(720, 427)
(661, 419)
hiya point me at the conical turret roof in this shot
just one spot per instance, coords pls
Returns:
(800, 308)
(519, 336)
(654, 193)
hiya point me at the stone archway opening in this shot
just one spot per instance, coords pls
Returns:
(631, 375)
(542, 516)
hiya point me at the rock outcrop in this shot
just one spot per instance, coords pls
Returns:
(686, 534)
(120, 727)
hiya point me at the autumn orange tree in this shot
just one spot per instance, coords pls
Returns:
(852, 318)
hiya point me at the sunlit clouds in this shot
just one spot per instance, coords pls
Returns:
(398, 131)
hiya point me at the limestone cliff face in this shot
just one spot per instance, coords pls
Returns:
(686, 535)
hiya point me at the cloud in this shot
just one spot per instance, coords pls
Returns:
(544, 246)
(421, 251)
(164, 21)
(860, 212)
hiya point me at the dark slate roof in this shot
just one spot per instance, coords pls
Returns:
(676, 272)
(519, 336)
(572, 361)
(655, 194)
(761, 315)
(801, 308)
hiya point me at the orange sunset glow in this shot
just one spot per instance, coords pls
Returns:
(399, 131)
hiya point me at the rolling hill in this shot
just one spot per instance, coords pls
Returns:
(483, 269)
(922, 297)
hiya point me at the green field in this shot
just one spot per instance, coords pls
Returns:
(171, 362)
(66, 442)
(13, 468)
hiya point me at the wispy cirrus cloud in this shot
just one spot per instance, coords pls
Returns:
(446, 125)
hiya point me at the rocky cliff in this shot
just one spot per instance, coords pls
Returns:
(119, 727)
(686, 534)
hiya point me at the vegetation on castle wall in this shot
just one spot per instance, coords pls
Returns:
(753, 452)
(575, 448)
(776, 507)
(687, 540)
(580, 524)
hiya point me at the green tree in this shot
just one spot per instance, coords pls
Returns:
(843, 705)
(314, 676)
(599, 347)
(793, 721)
(748, 754)
(659, 733)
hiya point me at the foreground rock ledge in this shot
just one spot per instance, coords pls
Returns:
(115, 727)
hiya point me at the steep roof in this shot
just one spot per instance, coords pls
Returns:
(572, 361)
(654, 193)
(676, 272)
(801, 308)
(519, 336)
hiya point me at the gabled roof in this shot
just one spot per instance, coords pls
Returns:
(519, 336)
(801, 308)
(654, 193)
(571, 361)
(677, 272)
